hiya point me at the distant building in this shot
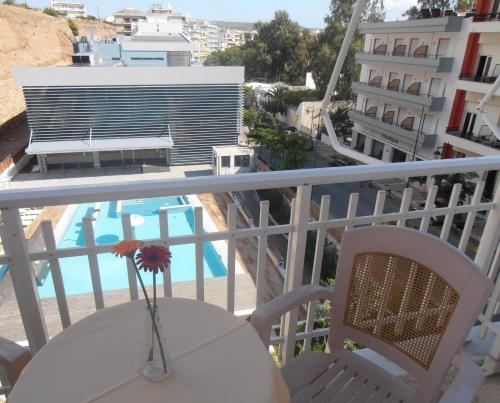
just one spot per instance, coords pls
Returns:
(207, 36)
(234, 37)
(154, 41)
(125, 19)
(69, 8)
(84, 117)
(158, 18)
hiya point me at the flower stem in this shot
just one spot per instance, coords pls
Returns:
(155, 328)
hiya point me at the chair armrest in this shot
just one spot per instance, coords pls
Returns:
(466, 383)
(266, 315)
(14, 358)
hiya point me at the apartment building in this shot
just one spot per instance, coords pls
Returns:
(415, 99)
(207, 37)
(84, 117)
(69, 8)
(467, 133)
(407, 75)
(126, 19)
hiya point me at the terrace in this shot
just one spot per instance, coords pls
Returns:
(310, 213)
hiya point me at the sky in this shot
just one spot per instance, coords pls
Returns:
(308, 13)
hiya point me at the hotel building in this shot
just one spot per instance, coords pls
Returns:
(420, 83)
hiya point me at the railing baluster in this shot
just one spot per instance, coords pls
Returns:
(262, 251)
(405, 205)
(231, 257)
(352, 208)
(55, 269)
(379, 204)
(167, 275)
(200, 275)
(448, 219)
(471, 217)
(93, 263)
(318, 261)
(287, 262)
(429, 205)
(491, 234)
(128, 234)
(23, 279)
(492, 361)
(296, 267)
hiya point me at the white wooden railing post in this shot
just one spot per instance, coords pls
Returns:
(490, 236)
(484, 257)
(296, 266)
(23, 279)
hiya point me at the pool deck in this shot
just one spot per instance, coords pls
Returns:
(82, 305)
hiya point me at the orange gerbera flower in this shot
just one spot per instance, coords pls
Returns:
(127, 248)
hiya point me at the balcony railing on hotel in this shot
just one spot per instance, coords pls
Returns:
(485, 139)
(388, 122)
(478, 79)
(308, 214)
(410, 54)
(399, 90)
(486, 17)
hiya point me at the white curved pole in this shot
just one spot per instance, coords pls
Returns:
(490, 121)
(348, 152)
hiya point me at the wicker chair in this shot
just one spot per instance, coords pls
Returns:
(13, 358)
(408, 296)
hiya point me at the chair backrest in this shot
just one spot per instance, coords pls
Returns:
(407, 295)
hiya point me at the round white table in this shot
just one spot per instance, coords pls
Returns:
(215, 357)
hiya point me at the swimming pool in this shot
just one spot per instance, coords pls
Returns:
(108, 229)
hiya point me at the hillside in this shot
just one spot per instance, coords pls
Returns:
(32, 38)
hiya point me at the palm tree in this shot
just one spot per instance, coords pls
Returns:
(341, 122)
(277, 97)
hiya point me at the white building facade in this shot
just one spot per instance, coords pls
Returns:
(420, 85)
(406, 87)
(69, 8)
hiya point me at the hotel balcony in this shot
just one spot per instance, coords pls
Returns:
(486, 22)
(394, 133)
(479, 84)
(408, 98)
(423, 25)
(407, 61)
(485, 142)
(29, 317)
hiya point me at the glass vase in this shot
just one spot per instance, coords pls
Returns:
(155, 366)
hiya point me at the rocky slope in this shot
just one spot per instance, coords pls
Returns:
(32, 38)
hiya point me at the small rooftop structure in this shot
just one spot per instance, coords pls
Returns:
(230, 160)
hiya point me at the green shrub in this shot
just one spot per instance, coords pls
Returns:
(73, 27)
(50, 11)
(9, 2)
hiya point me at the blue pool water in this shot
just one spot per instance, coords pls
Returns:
(108, 230)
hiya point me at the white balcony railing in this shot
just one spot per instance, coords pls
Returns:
(20, 258)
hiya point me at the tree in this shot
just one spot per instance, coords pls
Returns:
(280, 51)
(232, 56)
(276, 100)
(325, 50)
(74, 29)
(445, 185)
(414, 12)
(9, 2)
(51, 11)
(250, 117)
(341, 122)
